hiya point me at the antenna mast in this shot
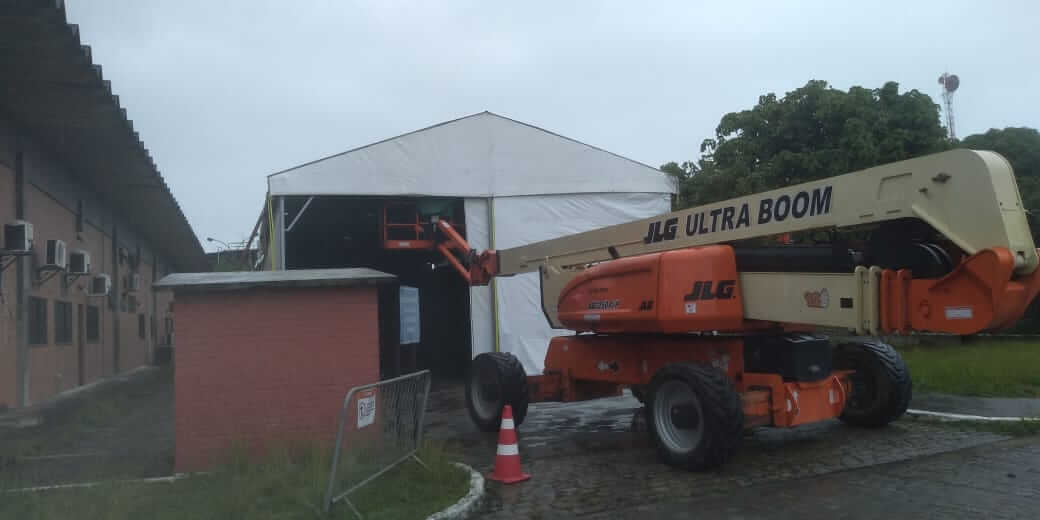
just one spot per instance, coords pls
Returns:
(949, 83)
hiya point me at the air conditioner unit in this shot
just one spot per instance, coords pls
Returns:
(79, 262)
(18, 237)
(133, 282)
(56, 257)
(100, 285)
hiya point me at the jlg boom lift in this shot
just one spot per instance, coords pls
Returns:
(712, 327)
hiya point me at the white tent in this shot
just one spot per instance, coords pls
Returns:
(520, 184)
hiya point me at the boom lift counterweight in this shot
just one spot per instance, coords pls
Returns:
(713, 330)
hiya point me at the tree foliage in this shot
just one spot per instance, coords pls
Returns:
(810, 133)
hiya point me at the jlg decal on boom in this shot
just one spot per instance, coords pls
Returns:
(802, 204)
(702, 290)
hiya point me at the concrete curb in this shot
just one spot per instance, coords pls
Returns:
(467, 504)
(80, 485)
(946, 416)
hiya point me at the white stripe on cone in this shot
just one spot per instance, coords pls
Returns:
(508, 449)
(507, 424)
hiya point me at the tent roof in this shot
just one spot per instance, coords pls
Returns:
(482, 155)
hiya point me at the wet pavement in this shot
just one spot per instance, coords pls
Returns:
(586, 460)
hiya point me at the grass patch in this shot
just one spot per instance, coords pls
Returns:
(288, 484)
(983, 368)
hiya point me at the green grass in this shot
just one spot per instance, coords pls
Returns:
(289, 484)
(983, 368)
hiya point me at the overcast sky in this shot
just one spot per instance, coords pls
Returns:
(224, 93)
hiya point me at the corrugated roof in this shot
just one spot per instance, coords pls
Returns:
(52, 88)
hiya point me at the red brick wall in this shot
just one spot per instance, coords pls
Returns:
(268, 365)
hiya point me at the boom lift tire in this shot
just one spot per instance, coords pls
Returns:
(695, 416)
(495, 380)
(881, 386)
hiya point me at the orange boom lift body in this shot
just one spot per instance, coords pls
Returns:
(715, 328)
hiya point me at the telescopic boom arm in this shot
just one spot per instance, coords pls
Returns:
(969, 198)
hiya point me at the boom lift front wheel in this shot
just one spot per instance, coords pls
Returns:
(695, 416)
(496, 379)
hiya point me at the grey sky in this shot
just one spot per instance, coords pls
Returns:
(224, 93)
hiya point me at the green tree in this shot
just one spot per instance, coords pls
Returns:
(813, 132)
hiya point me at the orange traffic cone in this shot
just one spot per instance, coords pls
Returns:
(507, 461)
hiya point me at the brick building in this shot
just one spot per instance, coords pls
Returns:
(72, 166)
(268, 356)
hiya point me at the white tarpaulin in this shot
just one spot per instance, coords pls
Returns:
(482, 328)
(483, 155)
(529, 183)
(522, 327)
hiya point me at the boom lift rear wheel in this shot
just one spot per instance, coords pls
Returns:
(496, 379)
(695, 416)
(881, 386)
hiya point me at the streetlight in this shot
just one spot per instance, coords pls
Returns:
(226, 246)
(211, 239)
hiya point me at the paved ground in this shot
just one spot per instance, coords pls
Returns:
(586, 461)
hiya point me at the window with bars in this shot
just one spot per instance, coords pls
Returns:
(37, 321)
(62, 322)
(93, 324)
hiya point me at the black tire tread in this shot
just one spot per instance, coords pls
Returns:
(722, 409)
(892, 366)
(514, 381)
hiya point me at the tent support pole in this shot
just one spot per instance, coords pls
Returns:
(280, 229)
(494, 282)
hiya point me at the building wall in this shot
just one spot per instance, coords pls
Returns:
(54, 197)
(8, 346)
(268, 364)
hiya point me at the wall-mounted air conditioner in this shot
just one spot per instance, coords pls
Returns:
(56, 255)
(100, 285)
(133, 282)
(18, 237)
(79, 262)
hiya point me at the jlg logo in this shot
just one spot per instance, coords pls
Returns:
(702, 290)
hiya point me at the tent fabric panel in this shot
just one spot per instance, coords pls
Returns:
(523, 329)
(482, 331)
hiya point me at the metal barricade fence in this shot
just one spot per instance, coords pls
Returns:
(380, 426)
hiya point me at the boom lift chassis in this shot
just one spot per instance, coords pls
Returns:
(715, 331)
